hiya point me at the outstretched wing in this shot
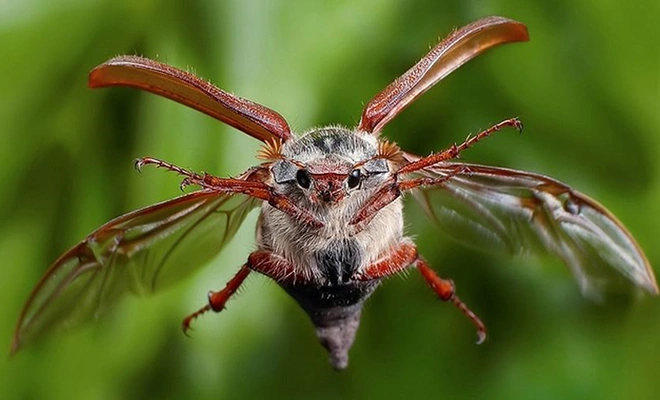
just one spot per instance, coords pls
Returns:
(139, 252)
(521, 212)
(142, 73)
(453, 51)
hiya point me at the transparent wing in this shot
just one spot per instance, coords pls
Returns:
(142, 73)
(139, 252)
(521, 213)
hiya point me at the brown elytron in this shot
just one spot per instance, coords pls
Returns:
(331, 223)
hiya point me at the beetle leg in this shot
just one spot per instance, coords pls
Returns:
(455, 150)
(242, 185)
(276, 267)
(405, 255)
(391, 191)
(426, 181)
(265, 262)
(394, 262)
(217, 300)
(446, 291)
(141, 162)
(377, 202)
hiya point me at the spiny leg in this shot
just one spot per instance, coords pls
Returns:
(392, 191)
(190, 177)
(261, 261)
(455, 150)
(244, 184)
(142, 161)
(406, 254)
(277, 268)
(217, 300)
(394, 262)
(470, 141)
(204, 180)
(446, 291)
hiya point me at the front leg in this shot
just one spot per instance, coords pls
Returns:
(392, 191)
(251, 183)
(393, 188)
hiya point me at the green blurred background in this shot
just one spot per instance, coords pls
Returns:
(586, 86)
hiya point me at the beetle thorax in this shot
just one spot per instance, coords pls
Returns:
(318, 173)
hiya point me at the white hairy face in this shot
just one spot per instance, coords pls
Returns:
(321, 159)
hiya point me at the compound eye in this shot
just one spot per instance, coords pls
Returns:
(303, 179)
(354, 178)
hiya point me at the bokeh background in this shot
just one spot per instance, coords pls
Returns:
(586, 86)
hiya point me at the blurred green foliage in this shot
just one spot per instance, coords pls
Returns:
(586, 86)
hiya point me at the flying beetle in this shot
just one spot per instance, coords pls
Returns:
(331, 214)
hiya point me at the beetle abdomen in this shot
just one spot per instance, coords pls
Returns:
(335, 312)
(339, 261)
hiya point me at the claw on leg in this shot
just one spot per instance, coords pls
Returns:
(446, 292)
(481, 328)
(217, 300)
(185, 325)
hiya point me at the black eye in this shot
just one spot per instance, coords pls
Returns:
(354, 178)
(302, 177)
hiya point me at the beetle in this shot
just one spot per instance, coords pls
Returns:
(330, 227)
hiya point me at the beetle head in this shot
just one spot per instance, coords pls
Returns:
(326, 166)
